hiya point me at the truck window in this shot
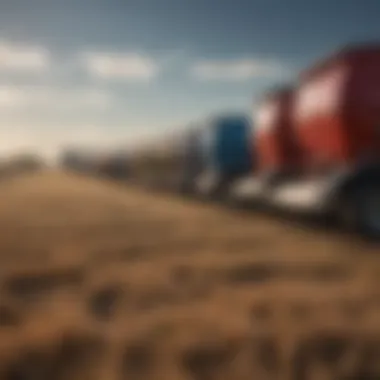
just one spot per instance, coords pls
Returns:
(321, 95)
(265, 117)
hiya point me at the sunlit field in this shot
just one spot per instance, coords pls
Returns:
(103, 281)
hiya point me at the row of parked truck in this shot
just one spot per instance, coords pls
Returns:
(311, 147)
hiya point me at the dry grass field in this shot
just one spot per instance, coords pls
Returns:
(101, 282)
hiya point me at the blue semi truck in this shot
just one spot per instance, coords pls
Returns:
(227, 153)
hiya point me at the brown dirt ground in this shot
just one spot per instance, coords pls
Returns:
(98, 281)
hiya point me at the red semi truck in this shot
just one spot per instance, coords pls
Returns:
(318, 144)
(274, 143)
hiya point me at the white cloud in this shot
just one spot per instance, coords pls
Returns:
(11, 96)
(123, 66)
(236, 70)
(20, 96)
(23, 57)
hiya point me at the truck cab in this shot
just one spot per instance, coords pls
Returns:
(336, 117)
(227, 153)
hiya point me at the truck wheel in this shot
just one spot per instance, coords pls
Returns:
(360, 209)
(370, 210)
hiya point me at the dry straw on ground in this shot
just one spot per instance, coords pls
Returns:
(102, 282)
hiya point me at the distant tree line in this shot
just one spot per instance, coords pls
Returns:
(20, 163)
(112, 165)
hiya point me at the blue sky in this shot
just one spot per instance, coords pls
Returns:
(112, 72)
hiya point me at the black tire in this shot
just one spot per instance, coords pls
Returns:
(369, 210)
(359, 209)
